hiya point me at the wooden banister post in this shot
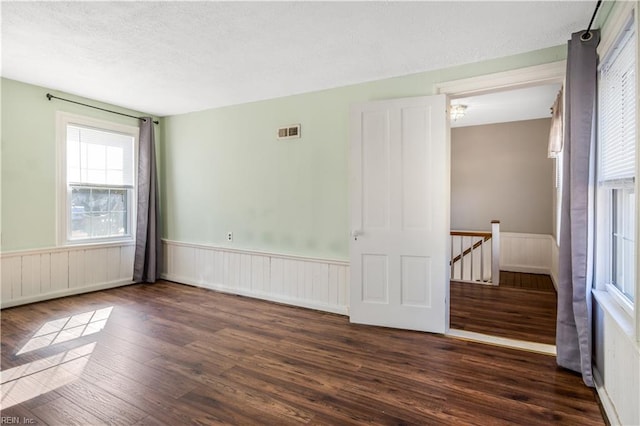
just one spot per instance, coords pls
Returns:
(495, 252)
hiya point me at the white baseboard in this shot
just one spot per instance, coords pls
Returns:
(342, 310)
(525, 269)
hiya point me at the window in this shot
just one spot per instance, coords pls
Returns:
(97, 179)
(617, 165)
(558, 187)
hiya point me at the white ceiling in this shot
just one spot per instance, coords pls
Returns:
(510, 105)
(169, 58)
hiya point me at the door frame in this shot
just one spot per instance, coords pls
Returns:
(553, 72)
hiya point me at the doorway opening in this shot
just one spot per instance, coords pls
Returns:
(500, 170)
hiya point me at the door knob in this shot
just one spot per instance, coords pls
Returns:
(356, 233)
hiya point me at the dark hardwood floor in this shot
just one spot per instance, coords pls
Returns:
(523, 307)
(523, 281)
(168, 354)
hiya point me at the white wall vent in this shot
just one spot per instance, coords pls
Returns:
(289, 132)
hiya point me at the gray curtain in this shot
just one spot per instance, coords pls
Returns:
(148, 256)
(573, 334)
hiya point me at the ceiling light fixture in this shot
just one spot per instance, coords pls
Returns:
(457, 111)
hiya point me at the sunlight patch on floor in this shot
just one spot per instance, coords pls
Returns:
(27, 381)
(30, 380)
(68, 328)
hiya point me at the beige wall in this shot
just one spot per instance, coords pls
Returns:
(501, 171)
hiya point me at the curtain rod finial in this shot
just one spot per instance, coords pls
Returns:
(49, 96)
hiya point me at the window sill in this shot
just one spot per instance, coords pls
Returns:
(612, 308)
(94, 243)
(98, 243)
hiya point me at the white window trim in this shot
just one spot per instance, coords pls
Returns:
(62, 213)
(623, 301)
(605, 292)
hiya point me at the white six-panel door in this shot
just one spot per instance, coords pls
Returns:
(399, 194)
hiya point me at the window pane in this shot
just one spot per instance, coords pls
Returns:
(80, 206)
(102, 157)
(629, 254)
(99, 225)
(100, 200)
(73, 174)
(83, 163)
(96, 158)
(115, 177)
(99, 212)
(618, 262)
(73, 154)
(629, 242)
(95, 176)
(118, 210)
(117, 200)
(115, 157)
(623, 241)
(117, 223)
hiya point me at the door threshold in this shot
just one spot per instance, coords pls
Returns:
(541, 348)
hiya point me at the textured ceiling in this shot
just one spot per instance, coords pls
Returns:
(510, 105)
(169, 58)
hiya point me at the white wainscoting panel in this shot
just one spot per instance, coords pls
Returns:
(35, 275)
(307, 282)
(529, 253)
(617, 361)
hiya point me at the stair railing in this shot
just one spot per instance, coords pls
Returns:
(475, 256)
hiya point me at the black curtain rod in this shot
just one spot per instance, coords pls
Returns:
(587, 34)
(50, 96)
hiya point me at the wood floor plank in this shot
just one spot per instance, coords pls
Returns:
(540, 282)
(295, 389)
(273, 408)
(151, 421)
(62, 412)
(19, 414)
(161, 406)
(520, 313)
(103, 405)
(228, 406)
(173, 354)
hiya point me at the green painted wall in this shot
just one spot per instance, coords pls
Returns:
(28, 174)
(224, 169)
(220, 170)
